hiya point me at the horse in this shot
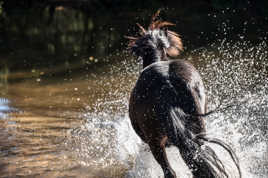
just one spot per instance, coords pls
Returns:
(168, 104)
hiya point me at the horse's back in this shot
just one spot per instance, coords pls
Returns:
(164, 85)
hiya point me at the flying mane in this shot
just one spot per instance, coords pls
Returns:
(169, 42)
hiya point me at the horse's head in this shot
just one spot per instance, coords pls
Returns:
(156, 43)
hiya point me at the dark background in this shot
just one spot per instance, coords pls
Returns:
(49, 33)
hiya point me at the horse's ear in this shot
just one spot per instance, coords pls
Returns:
(175, 44)
(156, 15)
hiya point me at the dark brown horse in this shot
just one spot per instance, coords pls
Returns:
(168, 103)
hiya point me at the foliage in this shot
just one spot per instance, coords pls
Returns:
(47, 33)
(1, 7)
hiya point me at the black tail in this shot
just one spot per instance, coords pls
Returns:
(226, 147)
(201, 158)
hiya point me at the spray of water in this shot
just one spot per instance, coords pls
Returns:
(237, 75)
(234, 74)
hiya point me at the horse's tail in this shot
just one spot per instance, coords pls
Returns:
(226, 147)
(200, 158)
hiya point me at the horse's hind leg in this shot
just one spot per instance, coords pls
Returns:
(158, 149)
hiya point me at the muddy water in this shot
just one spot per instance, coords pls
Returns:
(77, 125)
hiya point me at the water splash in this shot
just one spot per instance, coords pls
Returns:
(234, 74)
(106, 140)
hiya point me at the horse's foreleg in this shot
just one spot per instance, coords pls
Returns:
(158, 149)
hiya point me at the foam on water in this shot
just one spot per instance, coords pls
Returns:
(234, 74)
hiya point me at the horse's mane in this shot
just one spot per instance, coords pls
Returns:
(174, 39)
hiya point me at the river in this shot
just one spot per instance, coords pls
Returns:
(71, 120)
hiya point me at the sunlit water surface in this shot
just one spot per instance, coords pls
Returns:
(79, 127)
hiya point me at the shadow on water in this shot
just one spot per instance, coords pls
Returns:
(65, 83)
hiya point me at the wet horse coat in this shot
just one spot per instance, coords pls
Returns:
(163, 86)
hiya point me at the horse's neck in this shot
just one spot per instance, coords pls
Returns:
(155, 56)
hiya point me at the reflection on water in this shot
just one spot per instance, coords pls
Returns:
(78, 126)
(45, 136)
(30, 145)
(3, 107)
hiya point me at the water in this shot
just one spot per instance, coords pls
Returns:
(65, 84)
(79, 127)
